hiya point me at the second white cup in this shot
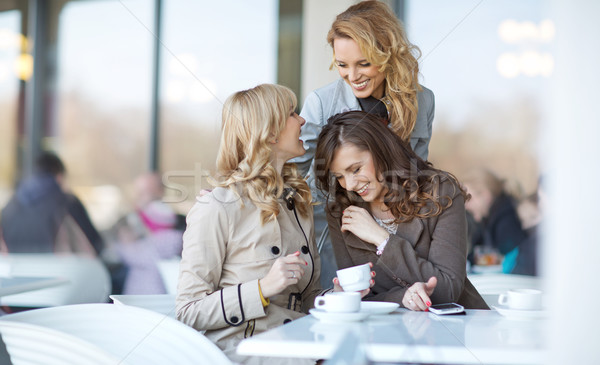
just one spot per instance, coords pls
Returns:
(339, 302)
(522, 299)
(355, 278)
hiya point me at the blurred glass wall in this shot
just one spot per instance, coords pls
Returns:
(12, 69)
(487, 63)
(98, 89)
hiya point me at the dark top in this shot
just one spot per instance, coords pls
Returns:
(33, 216)
(374, 106)
(527, 258)
(501, 229)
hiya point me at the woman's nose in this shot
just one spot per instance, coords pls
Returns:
(351, 183)
(353, 74)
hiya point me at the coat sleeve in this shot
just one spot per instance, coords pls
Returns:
(446, 259)
(312, 112)
(421, 136)
(201, 302)
(342, 256)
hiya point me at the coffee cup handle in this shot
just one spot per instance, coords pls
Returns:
(320, 302)
(503, 299)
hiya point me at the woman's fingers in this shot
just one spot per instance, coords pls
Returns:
(430, 285)
(336, 284)
(416, 298)
(295, 270)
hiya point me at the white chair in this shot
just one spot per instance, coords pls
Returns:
(490, 286)
(132, 335)
(160, 303)
(89, 280)
(169, 271)
(51, 347)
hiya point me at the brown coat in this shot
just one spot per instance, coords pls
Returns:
(420, 249)
(226, 250)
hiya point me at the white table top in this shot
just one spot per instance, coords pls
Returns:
(16, 285)
(478, 337)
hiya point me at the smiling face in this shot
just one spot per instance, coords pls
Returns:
(364, 78)
(355, 171)
(289, 144)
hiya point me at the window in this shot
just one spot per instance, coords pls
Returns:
(488, 64)
(13, 66)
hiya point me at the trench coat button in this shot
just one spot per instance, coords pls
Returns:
(305, 249)
(287, 320)
(275, 250)
(234, 319)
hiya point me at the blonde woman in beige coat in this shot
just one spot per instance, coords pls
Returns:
(249, 260)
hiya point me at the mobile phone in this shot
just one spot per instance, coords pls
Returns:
(446, 308)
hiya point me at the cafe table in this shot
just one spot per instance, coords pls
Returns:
(476, 337)
(17, 284)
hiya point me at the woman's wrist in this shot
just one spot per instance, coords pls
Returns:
(382, 244)
(381, 236)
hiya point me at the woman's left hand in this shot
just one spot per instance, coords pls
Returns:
(338, 287)
(360, 222)
(417, 296)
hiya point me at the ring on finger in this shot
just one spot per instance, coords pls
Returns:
(293, 274)
(410, 302)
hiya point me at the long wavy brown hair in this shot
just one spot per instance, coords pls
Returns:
(251, 119)
(412, 183)
(382, 40)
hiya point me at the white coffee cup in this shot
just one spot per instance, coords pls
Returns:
(522, 299)
(339, 302)
(355, 278)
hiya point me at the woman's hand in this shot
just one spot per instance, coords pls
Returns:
(338, 287)
(417, 296)
(285, 271)
(360, 222)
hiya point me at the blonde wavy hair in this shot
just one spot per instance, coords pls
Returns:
(382, 40)
(251, 119)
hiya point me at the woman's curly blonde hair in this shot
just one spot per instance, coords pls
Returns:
(251, 119)
(382, 40)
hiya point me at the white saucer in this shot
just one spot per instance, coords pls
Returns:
(338, 317)
(378, 307)
(519, 313)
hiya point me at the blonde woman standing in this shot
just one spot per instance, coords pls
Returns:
(249, 261)
(378, 70)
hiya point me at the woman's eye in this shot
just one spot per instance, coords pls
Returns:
(341, 65)
(365, 64)
(357, 170)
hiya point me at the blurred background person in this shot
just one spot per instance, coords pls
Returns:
(149, 233)
(497, 232)
(530, 210)
(43, 216)
(141, 254)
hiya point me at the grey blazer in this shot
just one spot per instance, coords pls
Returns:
(420, 249)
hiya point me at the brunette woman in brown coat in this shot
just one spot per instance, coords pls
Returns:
(389, 207)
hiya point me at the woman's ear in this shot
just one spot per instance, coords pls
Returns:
(273, 139)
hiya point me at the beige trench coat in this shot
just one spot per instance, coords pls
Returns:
(226, 250)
